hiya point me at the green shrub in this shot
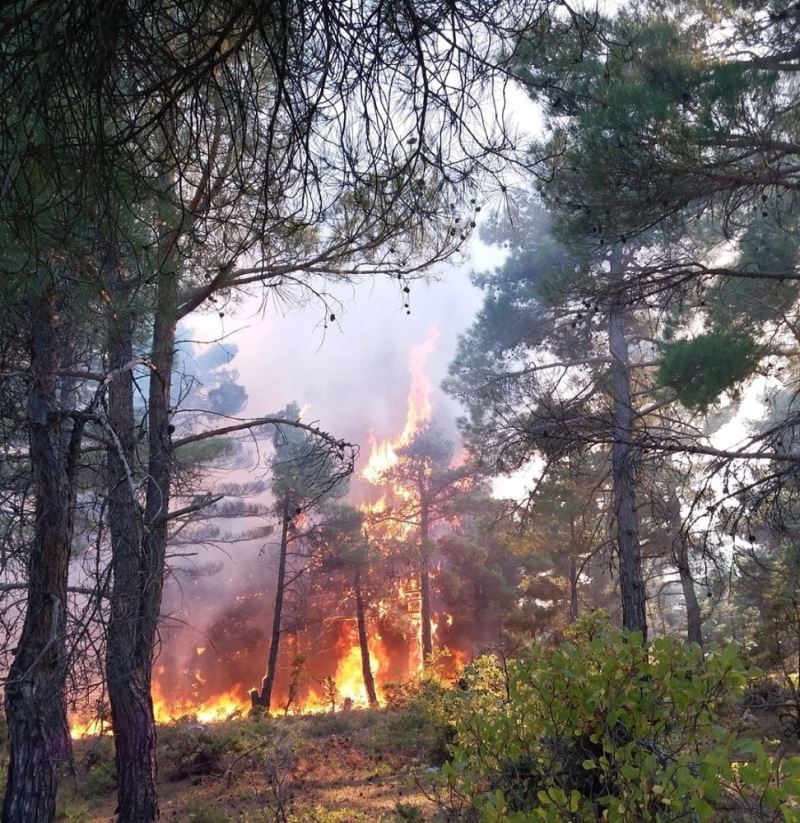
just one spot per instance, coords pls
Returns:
(71, 812)
(418, 726)
(100, 780)
(242, 734)
(334, 723)
(203, 813)
(192, 751)
(608, 728)
(96, 771)
(319, 814)
(408, 813)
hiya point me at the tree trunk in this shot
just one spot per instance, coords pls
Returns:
(624, 511)
(426, 633)
(573, 589)
(136, 600)
(264, 698)
(34, 692)
(128, 687)
(694, 626)
(363, 640)
(573, 574)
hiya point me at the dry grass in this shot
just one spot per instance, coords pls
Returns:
(344, 768)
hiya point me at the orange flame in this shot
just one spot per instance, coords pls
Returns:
(221, 707)
(82, 727)
(383, 455)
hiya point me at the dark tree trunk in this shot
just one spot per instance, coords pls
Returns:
(264, 697)
(363, 640)
(136, 600)
(426, 633)
(34, 692)
(573, 589)
(624, 511)
(129, 689)
(694, 626)
(573, 573)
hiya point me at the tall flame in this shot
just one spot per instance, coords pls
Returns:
(383, 455)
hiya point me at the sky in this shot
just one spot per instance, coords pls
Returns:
(352, 377)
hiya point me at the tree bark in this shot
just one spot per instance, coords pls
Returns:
(136, 598)
(624, 495)
(573, 573)
(129, 689)
(573, 590)
(426, 633)
(363, 640)
(34, 692)
(264, 698)
(694, 625)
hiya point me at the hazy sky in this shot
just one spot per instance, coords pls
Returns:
(354, 375)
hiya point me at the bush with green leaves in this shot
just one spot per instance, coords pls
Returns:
(203, 813)
(192, 750)
(606, 727)
(415, 721)
(73, 812)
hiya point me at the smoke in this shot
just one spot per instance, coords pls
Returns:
(357, 378)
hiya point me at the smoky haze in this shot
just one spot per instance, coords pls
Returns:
(354, 378)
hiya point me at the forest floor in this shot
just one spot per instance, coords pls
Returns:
(348, 767)
(375, 766)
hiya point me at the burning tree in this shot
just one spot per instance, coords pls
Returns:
(345, 552)
(427, 490)
(302, 476)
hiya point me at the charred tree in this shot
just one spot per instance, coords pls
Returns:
(34, 692)
(305, 472)
(426, 631)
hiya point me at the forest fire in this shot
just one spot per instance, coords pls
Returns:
(321, 665)
(220, 707)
